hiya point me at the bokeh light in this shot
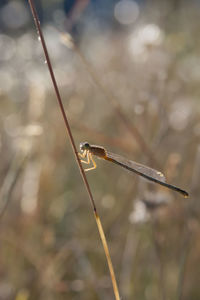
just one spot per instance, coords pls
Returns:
(126, 12)
(128, 74)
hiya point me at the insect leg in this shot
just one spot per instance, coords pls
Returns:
(93, 162)
(83, 155)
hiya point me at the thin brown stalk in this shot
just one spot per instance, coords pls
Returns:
(101, 232)
(29, 254)
(183, 262)
(160, 261)
(189, 234)
(67, 249)
(10, 181)
(17, 243)
(131, 249)
(112, 99)
(116, 142)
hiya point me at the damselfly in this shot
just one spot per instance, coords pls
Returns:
(139, 169)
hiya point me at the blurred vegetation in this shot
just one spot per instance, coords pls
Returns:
(148, 59)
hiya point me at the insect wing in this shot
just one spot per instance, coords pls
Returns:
(136, 167)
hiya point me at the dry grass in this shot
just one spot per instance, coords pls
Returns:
(50, 248)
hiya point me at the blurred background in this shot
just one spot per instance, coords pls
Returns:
(129, 78)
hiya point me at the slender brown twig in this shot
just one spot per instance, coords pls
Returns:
(183, 262)
(158, 251)
(116, 142)
(67, 40)
(101, 232)
(10, 181)
(189, 236)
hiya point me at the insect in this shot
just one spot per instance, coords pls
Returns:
(87, 151)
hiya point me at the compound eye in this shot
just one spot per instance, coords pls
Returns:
(86, 145)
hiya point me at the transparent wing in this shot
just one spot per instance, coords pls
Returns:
(137, 168)
(144, 171)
